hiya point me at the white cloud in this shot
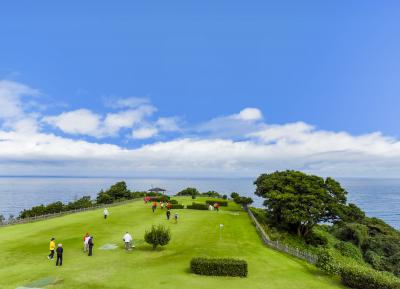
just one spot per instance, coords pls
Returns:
(130, 102)
(81, 121)
(168, 124)
(235, 145)
(144, 132)
(249, 114)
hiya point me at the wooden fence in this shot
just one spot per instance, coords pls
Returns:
(296, 252)
(49, 216)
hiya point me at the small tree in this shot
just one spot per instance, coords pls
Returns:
(2, 219)
(159, 235)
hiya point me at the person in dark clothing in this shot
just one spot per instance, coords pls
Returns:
(59, 251)
(168, 214)
(91, 244)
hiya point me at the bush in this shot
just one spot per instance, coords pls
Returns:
(173, 202)
(221, 202)
(159, 199)
(353, 232)
(219, 267)
(157, 236)
(225, 197)
(348, 249)
(316, 239)
(366, 278)
(234, 195)
(189, 192)
(177, 206)
(197, 206)
(374, 259)
(211, 194)
(327, 262)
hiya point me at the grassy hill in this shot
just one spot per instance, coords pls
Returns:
(24, 250)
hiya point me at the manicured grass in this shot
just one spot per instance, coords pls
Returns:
(24, 250)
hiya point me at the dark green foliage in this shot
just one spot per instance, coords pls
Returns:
(299, 201)
(119, 191)
(173, 202)
(327, 262)
(2, 219)
(365, 278)
(160, 199)
(211, 194)
(221, 202)
(234, 195)
(348, 249)
(225, 197)
(374, 259)
(104, 198)
(56, 207)
(351, 213)
(177, 206)
(189, 192)
(219, 267)
(353, 232)
(244, 201)
(197, 206)
(316, 239)
(157, 236)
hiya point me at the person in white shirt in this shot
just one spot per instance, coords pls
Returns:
(105, 213)
(86, 242)
(128, 241)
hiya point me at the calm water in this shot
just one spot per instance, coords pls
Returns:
(377, 197)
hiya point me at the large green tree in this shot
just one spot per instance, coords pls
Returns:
(299, 201)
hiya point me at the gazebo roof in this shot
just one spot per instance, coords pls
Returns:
(157, 190)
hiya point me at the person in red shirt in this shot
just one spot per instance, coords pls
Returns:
(169, 206)
(154, 207)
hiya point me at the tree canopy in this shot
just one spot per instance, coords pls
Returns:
(299, 201)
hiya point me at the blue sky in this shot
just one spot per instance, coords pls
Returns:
(192, 67)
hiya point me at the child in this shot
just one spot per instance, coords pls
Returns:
(168, 214)
(60, 251)
(52, 247)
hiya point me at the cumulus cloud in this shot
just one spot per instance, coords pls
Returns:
(240, 144)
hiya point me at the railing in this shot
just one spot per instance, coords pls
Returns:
(310, 258)
(49, 216)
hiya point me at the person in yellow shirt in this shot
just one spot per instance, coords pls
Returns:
(52, 247)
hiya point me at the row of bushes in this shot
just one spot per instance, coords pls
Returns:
(197, 206)
(219, 267)
(355, 275)
(177, 206)
(222, 203)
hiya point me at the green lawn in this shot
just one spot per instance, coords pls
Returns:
(24, 250)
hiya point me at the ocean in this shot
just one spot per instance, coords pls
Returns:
(377, 197)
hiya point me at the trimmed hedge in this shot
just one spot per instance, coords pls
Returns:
(221, 202)
(177, 206)
(159, 199)
(366, 278)
(173, 202)
(219, 267)
(197, 206)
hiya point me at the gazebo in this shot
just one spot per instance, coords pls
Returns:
(157, 190)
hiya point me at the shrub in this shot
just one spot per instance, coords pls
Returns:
(189, 192)
(366, 278)
(219, 267)
(234, 195)
(160, 199)
(348, 249)
(316, 239)
(374, 259)
(173, 202)
(327, 262)
(157, 236)
(177, 206)
(221, 202)
(353, 232)
(211, 194)
(197, 206)
(244, 201)
(225, 197)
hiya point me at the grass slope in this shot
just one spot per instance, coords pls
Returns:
(24, 249)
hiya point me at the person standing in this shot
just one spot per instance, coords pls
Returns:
(105, 213)
(128, 241)
(52, 247)
(90, 244)
(154, 206)
(60, 252)
(85, 242)
(168, 214)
